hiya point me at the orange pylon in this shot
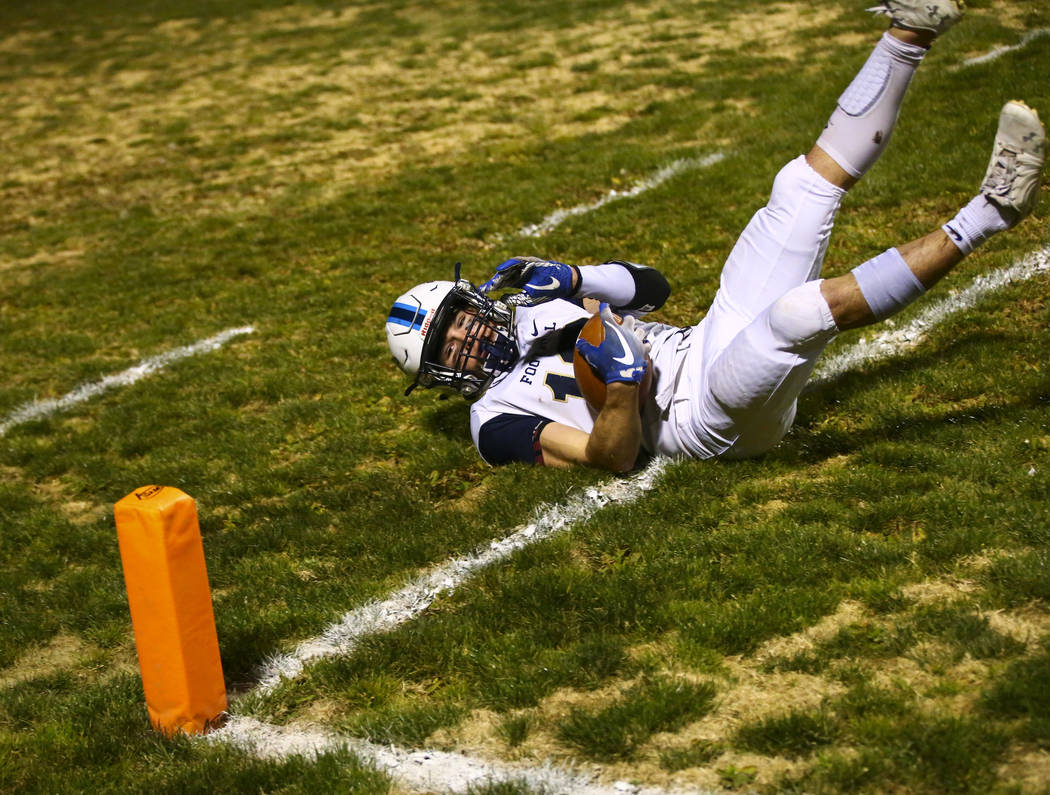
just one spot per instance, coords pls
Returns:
(171, 611)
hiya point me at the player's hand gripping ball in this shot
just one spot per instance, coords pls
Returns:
(608, 352)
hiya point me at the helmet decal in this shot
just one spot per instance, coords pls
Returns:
(406, 315)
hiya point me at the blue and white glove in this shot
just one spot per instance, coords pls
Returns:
(622, 355)
(540, 280)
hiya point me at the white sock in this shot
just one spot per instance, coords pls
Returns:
(861, 125)
(975, 223)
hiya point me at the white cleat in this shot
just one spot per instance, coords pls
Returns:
(1012, 180)
(935, 16)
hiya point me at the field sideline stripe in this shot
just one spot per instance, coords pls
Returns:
(38, 409)
(998, 52)
(672, 169)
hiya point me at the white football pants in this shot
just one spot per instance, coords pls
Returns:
(739, 376)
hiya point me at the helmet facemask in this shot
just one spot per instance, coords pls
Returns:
(488, 348)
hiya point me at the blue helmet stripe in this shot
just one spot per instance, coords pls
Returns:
(407, 315)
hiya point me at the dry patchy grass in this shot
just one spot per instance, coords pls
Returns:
(356, 115)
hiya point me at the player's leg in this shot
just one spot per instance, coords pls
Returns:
(863, 121)
(884, 285)
(749, 400)
(784, 243)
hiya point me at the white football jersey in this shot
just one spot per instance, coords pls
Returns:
(541, 386)
(538, 385)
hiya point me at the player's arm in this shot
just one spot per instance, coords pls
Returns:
(628, 287)
(614, 442)
(506, 438)
(620, 361)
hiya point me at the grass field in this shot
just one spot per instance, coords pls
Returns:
(866, 609)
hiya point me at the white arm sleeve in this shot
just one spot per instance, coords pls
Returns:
(610, 282)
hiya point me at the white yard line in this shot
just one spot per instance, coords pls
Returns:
(894, 341)
(38, 409)
(673, 169)
(419, 771)
(384, 615)
(998, 52)
(422, 770)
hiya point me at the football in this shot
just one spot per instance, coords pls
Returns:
(591, 385)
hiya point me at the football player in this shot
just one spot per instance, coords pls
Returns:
(727, 386)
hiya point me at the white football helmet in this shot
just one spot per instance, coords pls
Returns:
(415, 332)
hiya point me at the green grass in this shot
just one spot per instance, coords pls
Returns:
(1020, 693)
(180, 168)
(515, 728)
(794, 734)
(650, 706)
(695, 754)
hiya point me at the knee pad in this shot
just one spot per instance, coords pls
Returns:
(801, 319)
